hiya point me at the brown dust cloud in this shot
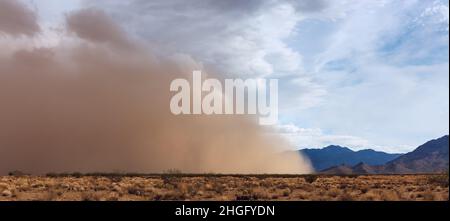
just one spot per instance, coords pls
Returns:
(98, 101)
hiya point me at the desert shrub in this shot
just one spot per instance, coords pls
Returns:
(90, 196)
(169, 181)
(409, 189)
(135, 191)
(371, 196)
(257, 194)
(116, 179)
(376, 186)
(334, 192)
(286, 192)
(52, 195)
(171, 177)
(282, 185)
(65, 174)
(310, 178)
(219, 187)
(260, 196)
(172, 195)
(113, 198)
(428, 195)
(243, 197)
(351, 176)
(345, 197)
(364, 189)
(17, 173)
(52, 175)
(76, 174)
(343, 186)
(303, 196)
(172, 171)
(439, 179)
(265, 183)
(390, 195)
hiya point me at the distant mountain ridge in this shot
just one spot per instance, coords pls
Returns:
(430, 157)
(360, 168)
(334, 155)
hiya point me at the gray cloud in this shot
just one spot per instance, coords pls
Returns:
(230, 6)
(234, 37)
(306, 6)
(17, 19)
(95, 25)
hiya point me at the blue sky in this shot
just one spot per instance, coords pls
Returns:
(362, 74)
(385, 70)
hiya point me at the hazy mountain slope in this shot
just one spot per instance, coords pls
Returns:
(336, 155)
(432, 156)
(340, 170)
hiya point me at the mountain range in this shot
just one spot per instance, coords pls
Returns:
(336, 155)
(430, 157)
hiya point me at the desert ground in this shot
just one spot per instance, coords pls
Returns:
(225, 187)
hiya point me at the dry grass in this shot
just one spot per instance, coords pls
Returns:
(220, 187)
